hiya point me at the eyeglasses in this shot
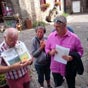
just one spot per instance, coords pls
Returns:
(58, 21)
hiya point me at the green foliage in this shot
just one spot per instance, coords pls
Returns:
(38, 23)
(2, 80)
(65, 14)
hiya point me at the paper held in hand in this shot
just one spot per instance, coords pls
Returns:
(60, 52)
(16, 54)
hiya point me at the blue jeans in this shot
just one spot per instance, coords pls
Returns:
(42, 71)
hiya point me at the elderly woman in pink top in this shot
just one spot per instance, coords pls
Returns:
(67, 39)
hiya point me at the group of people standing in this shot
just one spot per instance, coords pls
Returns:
(43, 51)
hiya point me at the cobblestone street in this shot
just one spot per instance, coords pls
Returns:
(79, 23)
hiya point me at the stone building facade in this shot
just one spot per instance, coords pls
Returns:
(31, 8)
(76, 6)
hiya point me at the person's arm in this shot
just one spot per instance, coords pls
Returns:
(48, 48)
(4, 69)
(67, 57)
(79, 47)
(35, 51)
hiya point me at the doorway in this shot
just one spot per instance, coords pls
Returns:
(86, 5)
(1, 12)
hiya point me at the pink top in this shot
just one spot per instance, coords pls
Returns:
(69, 40)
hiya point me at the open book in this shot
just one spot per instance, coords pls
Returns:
(16, 54)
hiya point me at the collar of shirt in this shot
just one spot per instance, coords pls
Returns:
(8, 46)
(67, 33)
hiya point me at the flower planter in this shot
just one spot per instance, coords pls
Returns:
(44, 6)
(57, 4)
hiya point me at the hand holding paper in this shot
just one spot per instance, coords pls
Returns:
(27, 62)
(67, 57)
(61, 51)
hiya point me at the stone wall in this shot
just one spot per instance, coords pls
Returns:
(15, 5)
(31, 9)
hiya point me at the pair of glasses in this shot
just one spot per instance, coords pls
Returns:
(58, 21)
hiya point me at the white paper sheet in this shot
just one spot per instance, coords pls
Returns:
(60, 52)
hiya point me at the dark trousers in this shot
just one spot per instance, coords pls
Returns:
(58, 79)
(70, 81)
(43, 71)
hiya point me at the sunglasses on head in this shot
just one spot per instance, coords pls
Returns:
(58, 21)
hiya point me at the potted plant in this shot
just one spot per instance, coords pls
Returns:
(44, 6)
(38, 23)
(57, 4)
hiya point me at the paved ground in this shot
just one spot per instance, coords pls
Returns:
(80, 25)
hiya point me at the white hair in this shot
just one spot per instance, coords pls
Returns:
(10, 31)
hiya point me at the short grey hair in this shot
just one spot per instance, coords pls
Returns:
(40, 27)
(9, 31)
(61, 19)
